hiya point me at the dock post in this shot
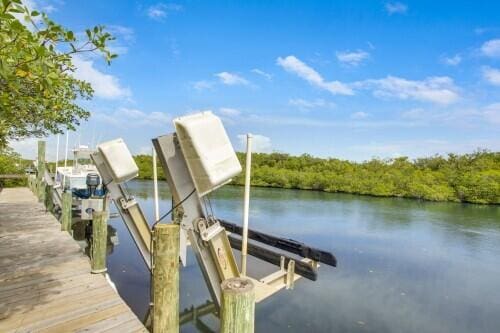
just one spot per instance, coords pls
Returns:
(49, 200)
(165, 279)
(41, 171)
(237, 306)
(99, 242)
(41, 191)
(67, 211)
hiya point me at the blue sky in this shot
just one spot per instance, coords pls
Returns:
(350, 79)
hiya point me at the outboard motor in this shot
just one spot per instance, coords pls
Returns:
(93, 180)
(92, 197)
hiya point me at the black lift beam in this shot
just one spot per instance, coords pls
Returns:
(301, 268)
(285, 244)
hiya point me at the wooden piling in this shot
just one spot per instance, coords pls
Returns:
(41, 190)
(49, 200)
(165, 278)
(67, 211)
(99, 242)
(33, 184)
(41, 171)
(237, 306)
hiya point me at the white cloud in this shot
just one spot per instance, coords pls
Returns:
(467, 117)
(28, 148)
(437, 89)
(41, 6)
(125, 36)
(229, 112)
(302, 122)
(130, 118)
(491, 113)
(156, 13)
(262, 73)
(396, 8)
(49, 9)
(302, 70)
(452, 61)
(308, 104)
(492, 75)
(260, 143)
(121, 31)
(352, 58)
(104, 85)
(231, 79)
(359, 115)
(31, 5)
(414, 114)
(161, 10)
(421, 147)
(491, 48)
(203, 85)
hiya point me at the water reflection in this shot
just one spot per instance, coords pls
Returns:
(404, 265)
(82, 233)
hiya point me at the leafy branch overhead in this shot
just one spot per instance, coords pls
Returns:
(38, 92)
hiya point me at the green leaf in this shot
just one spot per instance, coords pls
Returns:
(38, 94)
(16, 10)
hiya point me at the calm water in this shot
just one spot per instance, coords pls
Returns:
(404, 265)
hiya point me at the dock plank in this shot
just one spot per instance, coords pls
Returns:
(45, 279)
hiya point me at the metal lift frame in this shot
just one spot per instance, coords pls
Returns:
(128, 208)
(207, 235)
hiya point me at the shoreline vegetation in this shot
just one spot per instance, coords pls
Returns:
(470, 178)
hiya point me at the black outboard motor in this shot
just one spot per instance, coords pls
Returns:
(93, 180)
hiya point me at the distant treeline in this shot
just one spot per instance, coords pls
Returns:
(471, 178)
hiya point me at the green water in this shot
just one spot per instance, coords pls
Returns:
(404, 265)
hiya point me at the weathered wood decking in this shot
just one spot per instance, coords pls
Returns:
(45, 280)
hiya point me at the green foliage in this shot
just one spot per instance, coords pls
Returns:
(471, 178)
(11, 163)
(145, 164)
(38, 92)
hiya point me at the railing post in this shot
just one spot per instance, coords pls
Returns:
(67, 211)
(41, 191)
(237, 306)
(41, 170)
(165, 271)
(49, 200)
(99, 242)
(33, 184)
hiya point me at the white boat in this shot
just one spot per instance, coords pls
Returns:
(74, 177)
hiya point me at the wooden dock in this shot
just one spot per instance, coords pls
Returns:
(45, 279)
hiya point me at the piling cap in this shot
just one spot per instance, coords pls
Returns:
(237, 285)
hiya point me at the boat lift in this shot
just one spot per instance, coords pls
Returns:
(197, 159)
